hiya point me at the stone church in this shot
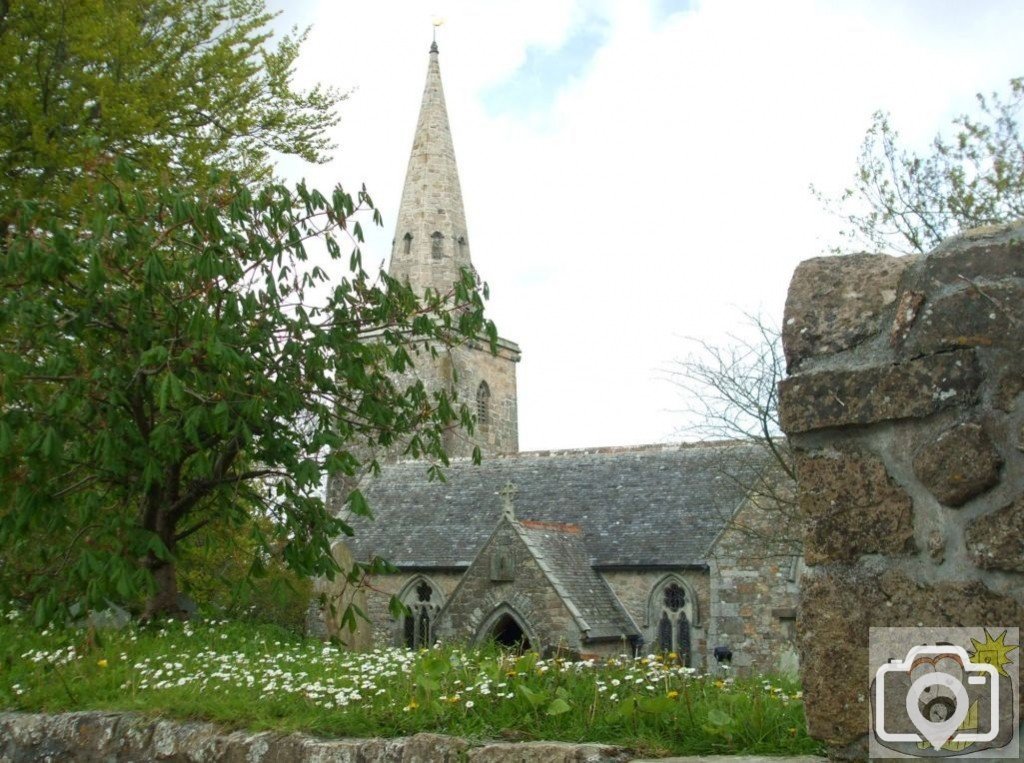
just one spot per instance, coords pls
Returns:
(594, 552)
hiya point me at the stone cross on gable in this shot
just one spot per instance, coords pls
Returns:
(508, 494)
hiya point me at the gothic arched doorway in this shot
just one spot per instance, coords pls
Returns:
(507, 632)
(506, 629)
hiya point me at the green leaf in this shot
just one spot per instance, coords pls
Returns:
(357, 504)
(428, 683)
(534, 698)
(718, 717)
(558, 706)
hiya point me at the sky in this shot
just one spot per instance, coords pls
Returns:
(636, 172)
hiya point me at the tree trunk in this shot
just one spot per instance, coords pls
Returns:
(164, 600)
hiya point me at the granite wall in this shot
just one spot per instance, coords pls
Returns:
(99, 736)
(904, 405)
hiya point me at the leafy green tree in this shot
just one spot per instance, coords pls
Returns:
(176, 86)
(166, 364)
(906, 202)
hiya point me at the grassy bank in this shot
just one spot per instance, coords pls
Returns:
(244, 675)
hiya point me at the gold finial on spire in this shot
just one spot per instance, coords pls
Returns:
(436, 22)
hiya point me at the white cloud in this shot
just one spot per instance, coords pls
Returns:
(664, 192)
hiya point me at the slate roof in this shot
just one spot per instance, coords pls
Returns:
(561, 553)
(647, 506)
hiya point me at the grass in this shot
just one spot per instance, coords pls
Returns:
(243, 675)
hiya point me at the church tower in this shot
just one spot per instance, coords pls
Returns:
(430, 248)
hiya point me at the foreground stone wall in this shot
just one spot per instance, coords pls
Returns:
(94, 736)
(905, 408)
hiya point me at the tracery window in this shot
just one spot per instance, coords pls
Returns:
(417, 627)
(483, 406)
(436, 245)
(673, 631)
(407, 245)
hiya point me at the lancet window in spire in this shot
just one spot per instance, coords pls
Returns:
(437, 245)
(407, 243)
(462, 247)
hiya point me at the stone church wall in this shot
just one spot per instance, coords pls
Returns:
(634, 590)
(906, 410)
(754, 589)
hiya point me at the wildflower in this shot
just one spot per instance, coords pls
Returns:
(673, 694)
(102, 663)
(413, 704)
(469, 704)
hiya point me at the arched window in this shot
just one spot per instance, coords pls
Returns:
(462, 246)
(407, 245)
(671, 613)
(436, 245)
(483, 406)
(424, 602)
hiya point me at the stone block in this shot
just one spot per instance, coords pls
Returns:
(431, 748)
(976, 316)
(995, 541)
(990, 253)
(546, 752)
(913, 388)
(852, 507)
(835, 303)
(1009, 385)
(837, 609)
(960, 464)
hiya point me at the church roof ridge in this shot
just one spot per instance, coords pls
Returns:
(601, 450)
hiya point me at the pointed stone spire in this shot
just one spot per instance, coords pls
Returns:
(431, 244)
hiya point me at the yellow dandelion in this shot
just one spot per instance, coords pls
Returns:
(673, 694)
(102, 663)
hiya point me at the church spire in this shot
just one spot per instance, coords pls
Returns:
(431, 244)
